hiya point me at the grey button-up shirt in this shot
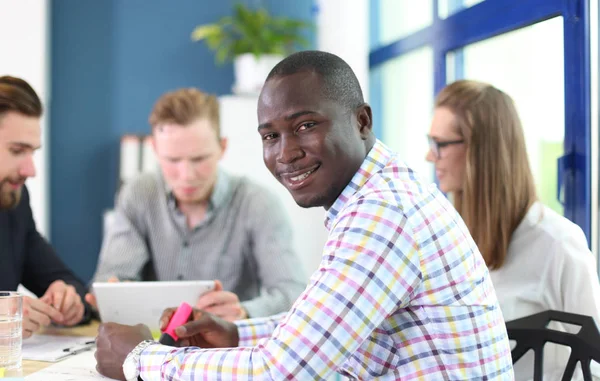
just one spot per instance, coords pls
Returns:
(245, 240)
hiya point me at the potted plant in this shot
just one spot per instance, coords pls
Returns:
(254, 40)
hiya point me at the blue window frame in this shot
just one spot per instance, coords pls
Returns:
(494, 17)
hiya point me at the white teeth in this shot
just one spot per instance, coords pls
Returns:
(302, 176)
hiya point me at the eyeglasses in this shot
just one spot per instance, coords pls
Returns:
(436, 146)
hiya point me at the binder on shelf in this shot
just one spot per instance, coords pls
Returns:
(149, 162)
(130, 157)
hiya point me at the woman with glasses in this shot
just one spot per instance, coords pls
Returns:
(538, 259)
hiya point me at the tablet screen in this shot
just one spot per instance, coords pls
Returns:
(133, 303)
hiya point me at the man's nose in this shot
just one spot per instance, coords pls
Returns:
(27, 168)
(289, 151)
(186, 170)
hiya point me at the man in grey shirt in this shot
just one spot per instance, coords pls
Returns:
(194, 221)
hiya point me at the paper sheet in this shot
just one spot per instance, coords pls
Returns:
(81, 367)
(54, 348)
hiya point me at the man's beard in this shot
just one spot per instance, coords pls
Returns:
(9, 198)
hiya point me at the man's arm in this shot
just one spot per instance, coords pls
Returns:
(280, 271)
(42, 264)
(370, 267)
(251, 331)
(124, 251)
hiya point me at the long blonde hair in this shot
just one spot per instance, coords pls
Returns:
(498, 187)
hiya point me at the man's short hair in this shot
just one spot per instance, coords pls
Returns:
(18, 96)
(339, 81)
(185, 106)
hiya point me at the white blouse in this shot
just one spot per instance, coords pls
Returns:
(548, 266)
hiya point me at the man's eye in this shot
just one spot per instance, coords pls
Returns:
(268, 136)
(17, 151)
(306, 125)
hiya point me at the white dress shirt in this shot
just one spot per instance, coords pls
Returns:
(548, 266)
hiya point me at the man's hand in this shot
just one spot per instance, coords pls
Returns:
(224, 304)
(204, 330)
(36, 315)
(90, 298)
(65, 299)
(114, 342)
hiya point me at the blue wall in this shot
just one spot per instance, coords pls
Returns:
(111, 60)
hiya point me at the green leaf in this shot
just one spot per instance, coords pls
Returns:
(222, 55)
(203, 31)
(252, 31)
(214, 41)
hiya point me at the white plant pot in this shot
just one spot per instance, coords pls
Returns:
(250, 73)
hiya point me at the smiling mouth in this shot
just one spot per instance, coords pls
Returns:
(302, 176)
(299, 180)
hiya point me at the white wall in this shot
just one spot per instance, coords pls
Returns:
(595, 119)
(343, 29)
(25, 50)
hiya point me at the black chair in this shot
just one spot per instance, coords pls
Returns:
(532, 332)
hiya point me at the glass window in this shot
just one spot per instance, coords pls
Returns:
(406, 98)
(528, 64)
(399, 18)
(449, 7)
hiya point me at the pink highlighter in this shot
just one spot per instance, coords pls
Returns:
(179, 318)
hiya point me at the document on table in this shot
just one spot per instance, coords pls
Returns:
(55, 348)
(81, 367)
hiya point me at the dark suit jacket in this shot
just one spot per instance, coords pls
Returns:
(27, 258)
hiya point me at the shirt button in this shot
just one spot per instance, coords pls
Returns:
(179, 277)
(185, 243)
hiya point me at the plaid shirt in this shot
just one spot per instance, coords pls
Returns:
(401, 293)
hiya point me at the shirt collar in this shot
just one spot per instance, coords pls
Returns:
(534, 215)
(376, 160)
(217, 197)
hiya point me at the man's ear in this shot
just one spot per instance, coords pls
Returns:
(223, 142)
(364, 116)
(153, 142)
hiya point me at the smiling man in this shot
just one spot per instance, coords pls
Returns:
(25, 256)
(401, 292)
(194, 221)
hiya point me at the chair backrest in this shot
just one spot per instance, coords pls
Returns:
(532, 333)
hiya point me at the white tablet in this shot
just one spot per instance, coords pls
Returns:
(144, 302)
